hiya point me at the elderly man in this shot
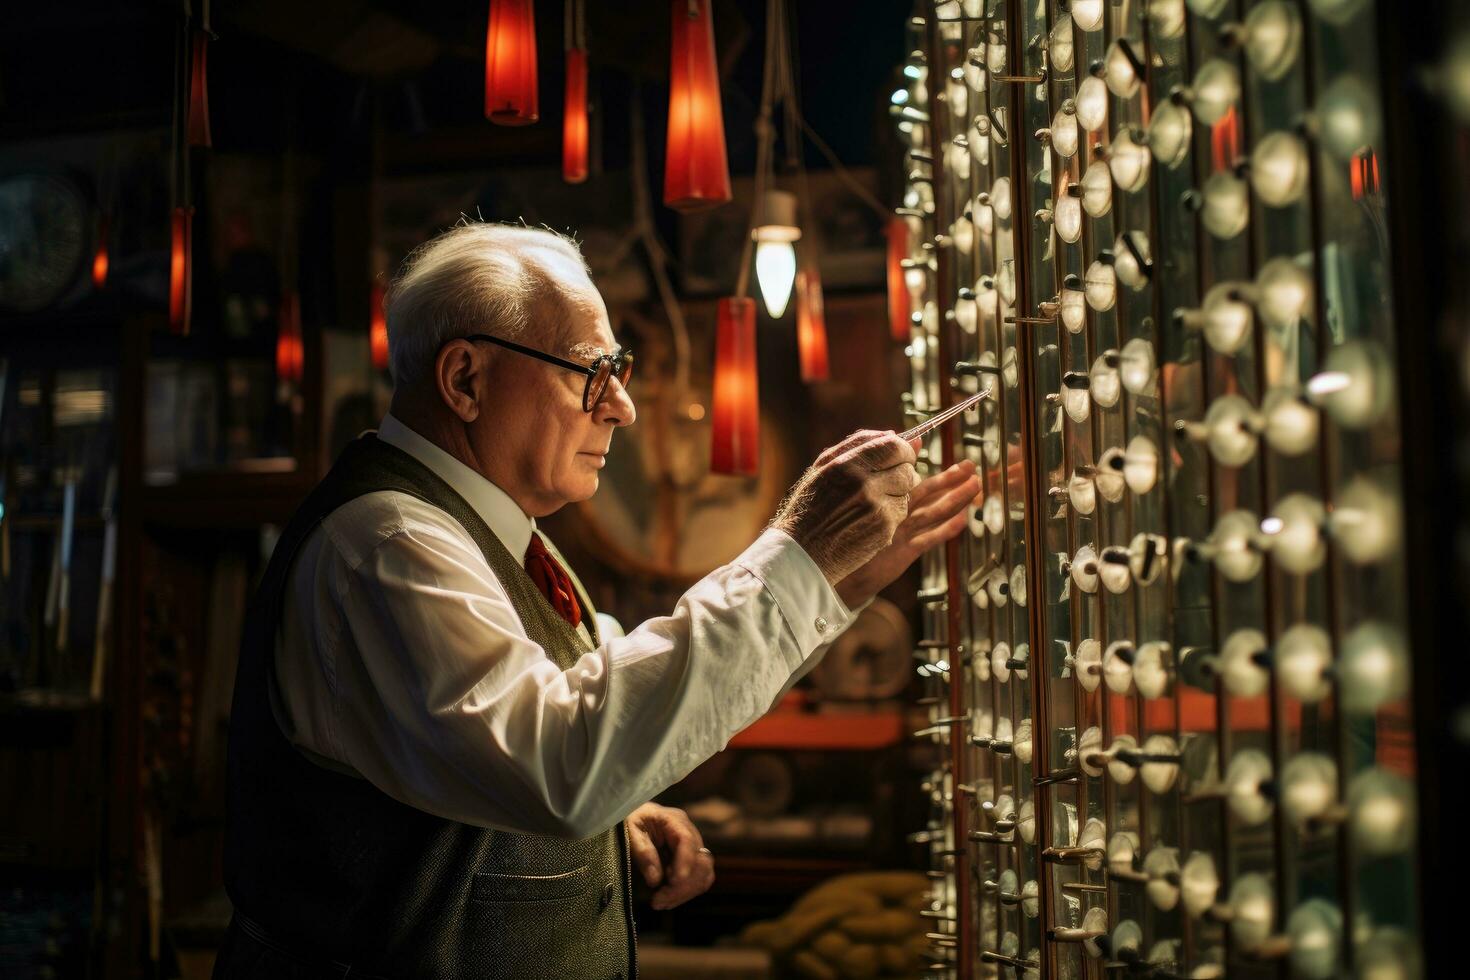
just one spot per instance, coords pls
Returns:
(438, 762)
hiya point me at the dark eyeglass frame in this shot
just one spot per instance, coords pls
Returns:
(607, 366)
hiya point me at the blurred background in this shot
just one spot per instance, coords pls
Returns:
(188, 341)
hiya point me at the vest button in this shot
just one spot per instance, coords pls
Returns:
(607, 895)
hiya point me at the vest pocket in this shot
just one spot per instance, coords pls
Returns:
(497, 888)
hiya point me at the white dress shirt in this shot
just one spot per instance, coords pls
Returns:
(401, 660)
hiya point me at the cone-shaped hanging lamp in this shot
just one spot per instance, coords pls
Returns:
(100, 259)
(735, 435)
(510, 64)
(696, 172)
(898, 290)
(811, 326)
(180, 273)
(574, 119)
(290, 350)
(377, 328)
(198, 91)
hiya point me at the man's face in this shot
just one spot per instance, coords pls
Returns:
(532, 434)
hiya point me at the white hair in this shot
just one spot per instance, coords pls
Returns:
(477, 277)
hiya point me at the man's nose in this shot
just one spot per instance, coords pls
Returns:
(616, 405)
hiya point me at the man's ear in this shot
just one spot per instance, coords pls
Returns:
(458, 374)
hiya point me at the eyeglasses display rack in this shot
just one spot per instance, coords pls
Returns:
(1167, 670)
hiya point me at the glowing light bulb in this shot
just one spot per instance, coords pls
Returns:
(1067, 218)
(1273, 36)
(1216, 89)
(1279, 169)
(1283, 293)
(1168, 134)
(963, 233)
(1348, 117)
(1092, 104)
(1226, 205)
(1000, 197)
(1166, 19)
(1088, 14)
(1073, 305)
(1129, 161)
(1064, 131)
(1097, 189)
(1100, 284)
(1122, 69)
(775, 270)
(1060, 45)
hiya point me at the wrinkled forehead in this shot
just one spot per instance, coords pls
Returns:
(586, 330)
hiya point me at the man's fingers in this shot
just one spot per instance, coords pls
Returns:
(933, 536)
(684, 878)
(851, 442)
(951, 477)
(695, 882)
(646, 857)
(936, 509)
(882, 453)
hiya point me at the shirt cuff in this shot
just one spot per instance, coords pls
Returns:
(812, 609)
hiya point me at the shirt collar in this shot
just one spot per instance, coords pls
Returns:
(504, 516)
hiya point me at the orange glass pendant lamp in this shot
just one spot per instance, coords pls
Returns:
(574, 119)
(198, 91)
(377, 328)
(735, 436)
(290, 350)
(1363, 174)
(898, 290)
(811, 326)
(510, 64)
(696, 171)
(180, 275)
(100, 260)
(1225, 141)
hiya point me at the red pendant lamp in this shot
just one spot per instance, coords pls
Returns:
(290, 350)
(735, 436)
(510, 64)
(198, 91)
(100, 260)
(811, 326)
(180, 275)
(1225, 141)
(1363, 174)
(378, 328)
(574, 120)
(696, 172)
(898, 290)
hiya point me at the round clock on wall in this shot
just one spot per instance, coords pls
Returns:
(43, 238)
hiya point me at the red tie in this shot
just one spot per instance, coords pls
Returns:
(552, 580)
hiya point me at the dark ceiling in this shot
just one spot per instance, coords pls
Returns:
(316, 73)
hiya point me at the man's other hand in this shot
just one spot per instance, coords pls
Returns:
(669, 854)
(937, 512)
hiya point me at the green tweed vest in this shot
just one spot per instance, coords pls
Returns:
(334, 872)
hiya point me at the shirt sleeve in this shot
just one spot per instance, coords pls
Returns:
(440, 699)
